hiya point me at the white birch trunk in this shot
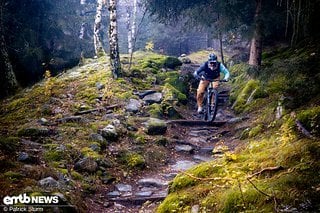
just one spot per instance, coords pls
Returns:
(113, 40)
(133, 26)
(96, 30)
(128, 11)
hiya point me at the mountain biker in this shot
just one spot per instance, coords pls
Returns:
(209, 71)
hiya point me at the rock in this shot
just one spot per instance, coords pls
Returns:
(95, 147)
(144, 194)
(153, 98)
(133, 106)
(184, 148)
(155, 126)
(148, 182)
(109, 133)
(34, 132)
(48, 182)
(86, 165)
(113, 194)
(183, 165)
(72, 119)
(23, 156)
(220, 149)
(146, 92)
(100, 86)
(97, 138)
(123, 187)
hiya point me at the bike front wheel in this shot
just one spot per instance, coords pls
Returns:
(212, 105)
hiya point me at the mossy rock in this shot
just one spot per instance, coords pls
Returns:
(131, 159)
(33, 132)
(155, 110)
(171, 94)
(155, 126)
(171, 62)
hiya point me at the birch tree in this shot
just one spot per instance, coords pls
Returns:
(113, 40)
(97, 27)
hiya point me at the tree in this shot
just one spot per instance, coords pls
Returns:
(113, 40)
(256, 41)
(8, 81)
(96, 29)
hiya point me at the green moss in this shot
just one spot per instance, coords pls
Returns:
(255, 130)
(310, 119)
(76, 176)
(171, 62)
(132, 159)
(247, 92)
(9, 144)
(54, 155)
(13, 176)
(155, 110)
(171, 94)
(88, 152)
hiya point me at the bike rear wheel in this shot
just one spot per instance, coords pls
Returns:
(212, 105)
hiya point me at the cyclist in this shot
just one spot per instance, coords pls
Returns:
(210, 70)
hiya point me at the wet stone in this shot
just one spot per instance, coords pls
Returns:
(147, 182)
(123, 187)
(202, 158)
(206, 150)
(144, 194)
(113, 194)
(183, 165)
(184, 148)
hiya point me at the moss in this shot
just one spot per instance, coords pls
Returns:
(54, 155)
(176, 202)
(171, 94)
(88, 152)
(76, 176)
(131, 159)
(13, 176)
(171, 62)
(310, 119)
(9, 144)
(247, 92)
(155, 110)
(255, 130)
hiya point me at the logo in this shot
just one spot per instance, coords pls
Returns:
(25, 199)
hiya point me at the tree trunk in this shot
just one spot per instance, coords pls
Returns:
(256, 41)
(8, 82)
(113, 40)
(96, 30)
(221, 47)
(134, 22)
(129, 28)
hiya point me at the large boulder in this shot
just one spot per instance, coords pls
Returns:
(155, 126)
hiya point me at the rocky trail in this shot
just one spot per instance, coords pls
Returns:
(192, 141)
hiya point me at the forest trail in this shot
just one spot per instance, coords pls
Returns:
(191, 141)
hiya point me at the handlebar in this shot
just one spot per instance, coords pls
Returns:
(213, 80)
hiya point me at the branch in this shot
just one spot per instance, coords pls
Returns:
(258, 189)
(276, 168)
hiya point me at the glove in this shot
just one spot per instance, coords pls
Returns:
(196, 75)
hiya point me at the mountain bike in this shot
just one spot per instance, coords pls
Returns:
(210, 100)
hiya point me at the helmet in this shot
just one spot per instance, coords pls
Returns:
(212, 57)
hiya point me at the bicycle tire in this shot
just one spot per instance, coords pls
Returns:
(212, 105)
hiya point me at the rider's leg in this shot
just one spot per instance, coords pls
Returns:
(200, 92)
(215, 83)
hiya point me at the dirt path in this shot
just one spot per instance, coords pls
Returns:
(192, 141)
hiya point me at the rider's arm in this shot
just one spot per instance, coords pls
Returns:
(199, 70)
(225, 71)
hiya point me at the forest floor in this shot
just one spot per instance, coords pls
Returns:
(191, 142)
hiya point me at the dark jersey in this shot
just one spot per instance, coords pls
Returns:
(208, 73)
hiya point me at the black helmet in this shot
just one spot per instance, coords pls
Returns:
(212, 57)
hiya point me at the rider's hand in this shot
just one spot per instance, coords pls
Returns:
(196, 76)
